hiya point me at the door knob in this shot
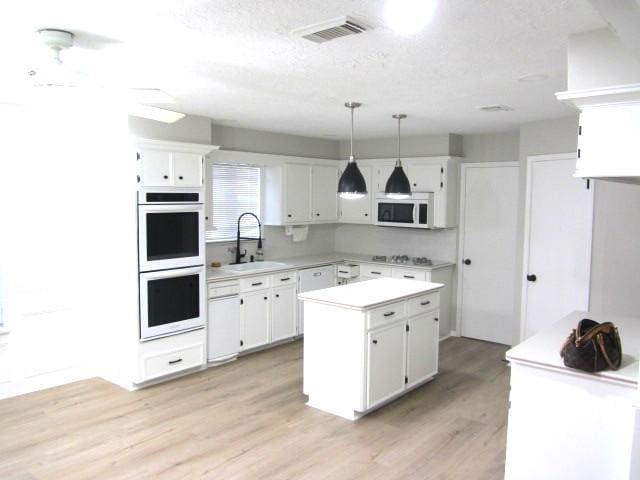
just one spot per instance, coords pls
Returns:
(531, 277)
(467, 261)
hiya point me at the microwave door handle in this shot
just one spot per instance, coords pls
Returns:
(415, 214)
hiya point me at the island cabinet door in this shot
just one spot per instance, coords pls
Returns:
(254, 315)
(385, 363)
(422, 347)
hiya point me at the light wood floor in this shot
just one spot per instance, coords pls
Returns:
(248, 420)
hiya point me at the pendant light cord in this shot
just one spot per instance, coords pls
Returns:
(399, 162)
(351, 157)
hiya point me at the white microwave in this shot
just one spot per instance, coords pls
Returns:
(415, 211)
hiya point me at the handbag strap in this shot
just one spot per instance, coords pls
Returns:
(602, 328)
(600, 341)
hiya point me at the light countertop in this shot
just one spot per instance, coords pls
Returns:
(370, 293)
(543, 349)
(308, 261)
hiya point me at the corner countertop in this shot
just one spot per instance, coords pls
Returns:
(309, 261)
(543, 349)
(370, 293)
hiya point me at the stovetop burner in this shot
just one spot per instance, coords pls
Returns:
(403, 260)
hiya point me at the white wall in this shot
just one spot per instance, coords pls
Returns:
(190, 129)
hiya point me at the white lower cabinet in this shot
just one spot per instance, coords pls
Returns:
(283, 312)
(254, 319)
(385, 363)
(422, 351)
(223, 328)
(170, 355)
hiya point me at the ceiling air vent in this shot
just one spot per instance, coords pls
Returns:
(331, 29)
(495, 108)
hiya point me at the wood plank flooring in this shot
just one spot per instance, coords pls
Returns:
(248, 420)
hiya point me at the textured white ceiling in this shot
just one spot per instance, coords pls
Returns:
(236, 61)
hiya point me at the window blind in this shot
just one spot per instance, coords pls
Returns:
(234, 189)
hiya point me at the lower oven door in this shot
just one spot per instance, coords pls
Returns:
(172, 301)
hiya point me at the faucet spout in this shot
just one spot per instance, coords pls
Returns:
(239, 255)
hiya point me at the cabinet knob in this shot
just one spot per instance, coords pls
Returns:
(366, 214)
(165, 176)
(289, 215)
(317, 214)
(138, 154)
(138, 178)
(467, 261)
(181, 177)
(241, 343)
(375, 342)
(532, 277)
(415, 184)
(436, 319)
(266, 298)
(277, 295)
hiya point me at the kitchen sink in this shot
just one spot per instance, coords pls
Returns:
(253, 266)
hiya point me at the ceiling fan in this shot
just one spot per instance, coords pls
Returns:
(52, 72)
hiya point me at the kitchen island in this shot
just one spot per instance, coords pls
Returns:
(368, 343)
(565, 423)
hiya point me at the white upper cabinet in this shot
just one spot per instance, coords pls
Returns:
(382, 172)
(608, 132)
(297, 193)
(425, 177)
(301, 193)
(359, 210)
(171, 164)
(324, 188)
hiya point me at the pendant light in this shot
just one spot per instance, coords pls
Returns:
(398, 185)
(352, 185)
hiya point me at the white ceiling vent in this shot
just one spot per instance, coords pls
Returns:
(495, 108)
(331, 29)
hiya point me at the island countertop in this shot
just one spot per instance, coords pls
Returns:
(543, 349)
(370, 293)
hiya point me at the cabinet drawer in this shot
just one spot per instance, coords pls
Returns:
(423, 303)
(254, 283)
(223, 289)
(411, 274)
(367, 270)
(387, 314)
(285, 278)
(166, 363)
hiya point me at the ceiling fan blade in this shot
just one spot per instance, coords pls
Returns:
(154, 113)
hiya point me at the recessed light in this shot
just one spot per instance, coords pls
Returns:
(534, 77)
(408, 16)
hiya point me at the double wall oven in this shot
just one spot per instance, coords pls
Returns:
(171, 260)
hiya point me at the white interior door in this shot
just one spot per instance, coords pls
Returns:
(557, 249)
(487, 284)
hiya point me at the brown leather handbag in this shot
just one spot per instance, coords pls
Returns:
(593, 347)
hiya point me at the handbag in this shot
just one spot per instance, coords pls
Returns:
(592, 347)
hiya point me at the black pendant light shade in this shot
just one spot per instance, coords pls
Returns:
(351, 184)
(398, 185)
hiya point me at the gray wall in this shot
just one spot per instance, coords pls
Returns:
(598, 59)
(242, 139)
(495, 147)
(418, 146)
(192, 129)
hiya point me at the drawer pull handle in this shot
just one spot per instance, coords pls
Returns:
(317, 274)
(342, 271)
(426, 302)
(256, 284)
(376, 273)
(388, 314)
(173, 362)
(409, 276)
(285, 279)
(375, 342)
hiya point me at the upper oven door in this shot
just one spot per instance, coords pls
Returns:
(396, 213)
(170, 236)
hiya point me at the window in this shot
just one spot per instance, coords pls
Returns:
(233, 190)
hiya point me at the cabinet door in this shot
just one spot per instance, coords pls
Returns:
(187, 169)
(297, 193)
(422, 347)
(223, 327)
(425, 177)
(155, 168)
(254, 313)
(283, 313)
(358, 210)
(382, 174)
(325, 193)
(385, 363)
